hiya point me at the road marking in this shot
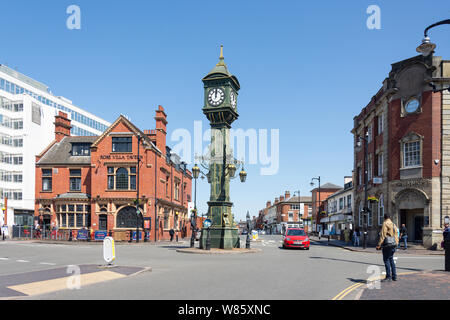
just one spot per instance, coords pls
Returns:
(338, 296)
(22, 261)
(345, 292)
(48, 263)
(4, 259)
(42, 287)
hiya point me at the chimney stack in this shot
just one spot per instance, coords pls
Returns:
(287, 195)
(268, 204)
(62, 126)
(281, 198)
(161, 122)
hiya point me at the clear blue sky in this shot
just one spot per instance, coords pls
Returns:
(305, 67)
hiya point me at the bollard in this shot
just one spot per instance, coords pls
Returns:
(208, 241)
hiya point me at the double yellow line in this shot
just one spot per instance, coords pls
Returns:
(345, 292)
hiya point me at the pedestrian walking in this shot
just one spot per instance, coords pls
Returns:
(171, 233)
(403, 237)
(356, 236)
(346, 235)
(320, 234)
(388, 243)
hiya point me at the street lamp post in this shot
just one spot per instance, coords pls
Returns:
(366, 176)
(138, 212)
(312, 184)
(247, 242)
(299, 205)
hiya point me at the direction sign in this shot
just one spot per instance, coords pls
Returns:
(109, 250)
(207, 223)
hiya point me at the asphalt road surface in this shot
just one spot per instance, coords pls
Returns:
(274, 273)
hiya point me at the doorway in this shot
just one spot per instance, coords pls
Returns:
(103, 222)
(413, 219)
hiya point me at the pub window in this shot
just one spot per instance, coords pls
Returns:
(122, 178)
(73, 215)
(46, 179)
(122, 144)
(127, 218)
(166, 218)
(75, 180)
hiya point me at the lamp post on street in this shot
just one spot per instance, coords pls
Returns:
(312, 185)
(300, 218)
(366, 209)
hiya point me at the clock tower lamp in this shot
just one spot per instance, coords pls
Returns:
(220, 108)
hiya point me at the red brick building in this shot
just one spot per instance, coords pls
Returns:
(319, 200)
(92, 182)
(286, 211)
(406, 125)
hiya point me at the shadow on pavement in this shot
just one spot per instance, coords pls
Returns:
(366, 263)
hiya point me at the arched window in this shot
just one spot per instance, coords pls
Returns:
(126, 218)
(122, 179)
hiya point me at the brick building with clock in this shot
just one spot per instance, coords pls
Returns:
(92, 182)
(407, 128)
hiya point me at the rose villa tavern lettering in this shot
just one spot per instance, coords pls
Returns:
(93, 182)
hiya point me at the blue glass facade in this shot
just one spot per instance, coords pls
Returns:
(16, 89)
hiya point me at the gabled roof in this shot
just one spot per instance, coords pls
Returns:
(131, 126)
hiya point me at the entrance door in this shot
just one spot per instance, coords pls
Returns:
(103, 222)
(418, 228)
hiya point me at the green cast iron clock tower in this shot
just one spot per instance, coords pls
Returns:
(220, 107)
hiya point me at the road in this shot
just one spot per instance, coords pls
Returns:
(276, 274)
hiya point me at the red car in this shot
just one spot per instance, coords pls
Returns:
(296, 238)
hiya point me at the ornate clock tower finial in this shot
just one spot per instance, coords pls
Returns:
(221, 58)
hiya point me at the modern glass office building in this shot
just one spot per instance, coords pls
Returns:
(27, 111)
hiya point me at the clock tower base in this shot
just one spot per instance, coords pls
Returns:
(221, 238)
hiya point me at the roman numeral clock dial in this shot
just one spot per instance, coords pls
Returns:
(216, 97)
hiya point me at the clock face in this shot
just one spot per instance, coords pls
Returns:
(233, 100)
(216, 97)
(412, 105)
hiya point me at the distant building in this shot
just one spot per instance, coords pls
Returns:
(286, 211)
(27, 113)
(319, 199)
(339, 209)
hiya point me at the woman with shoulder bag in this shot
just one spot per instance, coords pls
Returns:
(388, 243)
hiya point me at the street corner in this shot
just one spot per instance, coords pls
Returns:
(72, 277)
(215, 251)
(433, 285)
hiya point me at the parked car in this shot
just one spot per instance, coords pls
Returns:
(296, 238)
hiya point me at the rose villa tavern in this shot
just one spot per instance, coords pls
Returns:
(92, 182)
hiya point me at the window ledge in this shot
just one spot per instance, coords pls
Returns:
(408, 168)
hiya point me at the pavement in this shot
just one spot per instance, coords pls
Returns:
(413, 249)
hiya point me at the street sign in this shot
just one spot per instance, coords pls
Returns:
(207, 223)
(109, 250)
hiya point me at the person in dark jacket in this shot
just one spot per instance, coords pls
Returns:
(403, 237)
(171, 233)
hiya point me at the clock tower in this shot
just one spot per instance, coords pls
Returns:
(220, 108)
